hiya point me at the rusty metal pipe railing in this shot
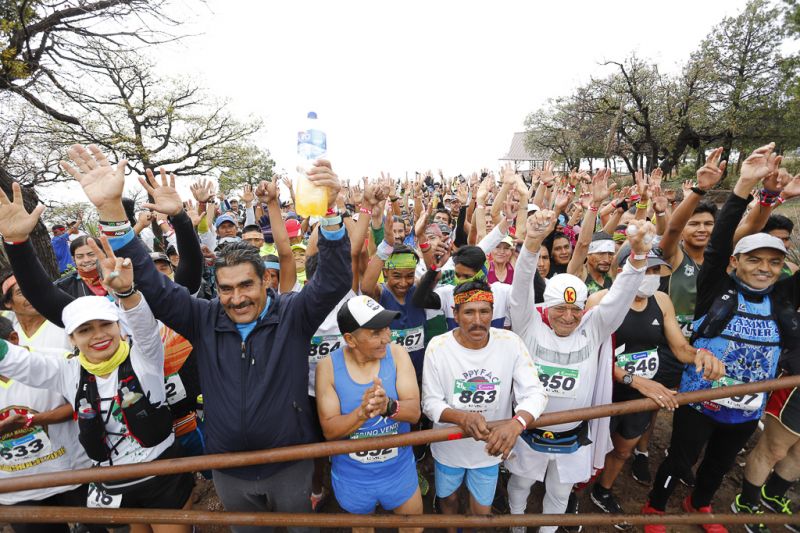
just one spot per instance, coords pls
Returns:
(32, 514)
(325, 449)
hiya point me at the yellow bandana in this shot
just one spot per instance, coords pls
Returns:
(109, 365)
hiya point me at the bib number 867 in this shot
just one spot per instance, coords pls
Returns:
(409, 341)
(476, 397)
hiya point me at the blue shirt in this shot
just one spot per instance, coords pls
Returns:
(60, 246)
(245, 329)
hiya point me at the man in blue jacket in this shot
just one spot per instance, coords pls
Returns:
(251, 344)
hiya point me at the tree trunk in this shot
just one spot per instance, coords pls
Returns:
(40, 238)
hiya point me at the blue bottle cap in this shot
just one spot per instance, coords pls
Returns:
(311, 114)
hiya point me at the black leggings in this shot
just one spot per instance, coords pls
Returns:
(691, 431)
(72, 498)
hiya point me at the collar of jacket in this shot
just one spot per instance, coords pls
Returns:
(224, 322)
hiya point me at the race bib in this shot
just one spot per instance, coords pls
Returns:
(746, 402)
(643, 364)
(321, 347)
(97, 498)
(558, 381)
(685, 322)
(478, 396)
(174, 388)
(374, 456)
(411, 339)
(26, 448)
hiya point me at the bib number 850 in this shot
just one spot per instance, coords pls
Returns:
(556, 382)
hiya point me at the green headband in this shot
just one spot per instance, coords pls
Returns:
(398, 261)
(480, 275)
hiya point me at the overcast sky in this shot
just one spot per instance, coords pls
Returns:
(416, 85)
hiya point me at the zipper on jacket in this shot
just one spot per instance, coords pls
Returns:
(244, 393)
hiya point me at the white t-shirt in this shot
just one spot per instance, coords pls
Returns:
(38, 449)
(63, 375)
(327, 339)
(486, 381)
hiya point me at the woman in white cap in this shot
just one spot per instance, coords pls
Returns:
(116, 384)
(573, 361)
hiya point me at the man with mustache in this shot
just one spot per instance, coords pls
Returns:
(471, 375)
(251, 344)
(572, 355)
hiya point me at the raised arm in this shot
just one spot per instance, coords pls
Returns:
(600, 191)
(267, 192)
(16, 224)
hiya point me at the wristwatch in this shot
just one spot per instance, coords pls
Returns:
(391, 408)
(627, 379)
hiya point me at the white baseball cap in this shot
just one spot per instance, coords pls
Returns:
(82, 310)
(565, 289)
(363, 312)
(756, 241)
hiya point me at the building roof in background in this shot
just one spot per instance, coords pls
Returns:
(519, 152)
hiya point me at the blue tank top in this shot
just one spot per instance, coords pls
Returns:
(408, 329)
(362, 466)
(749, 346)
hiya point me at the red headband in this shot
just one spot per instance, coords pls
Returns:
(476, 295)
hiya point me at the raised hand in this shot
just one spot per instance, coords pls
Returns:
(600, 188)
(117, 272)
(641, 184)
(547, 175)
(287, 182)
(792, 188)
(539, 225)
(102, 183)
(687, 186)
(267, 191)
(641, 235)
(656, 177)
(709, 174)
(202, 190)
(563, 197)
(16, 224)
(247, 195)
(660, 201)
(166, 198)
(194, 213)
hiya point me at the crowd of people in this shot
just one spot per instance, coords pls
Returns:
(215, 324)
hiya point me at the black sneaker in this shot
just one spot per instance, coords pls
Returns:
(780, 505)
(572, 508)
(606, 502)
(742, 508)
(640, 469)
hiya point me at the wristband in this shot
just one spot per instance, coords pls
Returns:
(522, 422)
(365, 211)
(768, 198)
(330, 221)
(425, 246)
(639, 257)
(13, 243)
(698, 191)
(640, 205)
(479, 206)
(661, 214)
(127, 294)
(28, 420)
(384, 250)
(331, 211)
(593, 209)
(635, 198)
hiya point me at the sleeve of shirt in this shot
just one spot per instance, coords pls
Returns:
(522, 300)
(613, 308)
(433, 391)
(490, 241)
(32, 368)
(146, 331)
(528, 390)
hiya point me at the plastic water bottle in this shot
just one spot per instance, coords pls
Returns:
(129, 398)
(312, 144)
(85, 410)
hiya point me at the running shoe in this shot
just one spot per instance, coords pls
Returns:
(653, 528)
(572, 508)
(781, 505)
(640, 469)
(318, 501)
(518, 529)
(710, 528)
(742, 508)
(606, 502)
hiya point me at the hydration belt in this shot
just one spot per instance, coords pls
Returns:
(569, 441)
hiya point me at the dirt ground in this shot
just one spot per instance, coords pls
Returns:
(630, 494)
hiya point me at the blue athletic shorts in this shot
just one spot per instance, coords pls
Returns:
(481, 482)
(363, 495)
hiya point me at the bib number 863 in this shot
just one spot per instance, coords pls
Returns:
(476, 397)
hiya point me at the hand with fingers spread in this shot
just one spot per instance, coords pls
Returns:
(117, 272)
(641, 184)
(287, 182)
(600, 187)
(656, 176)
(166, 199)
(16, 224)
(102, 183)
(758, 166)
(247, 195)
(194, 213)
(563, 198)
(547, 175)
(202, 190)
(660, 202)
(687, 186)
(709, 174)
